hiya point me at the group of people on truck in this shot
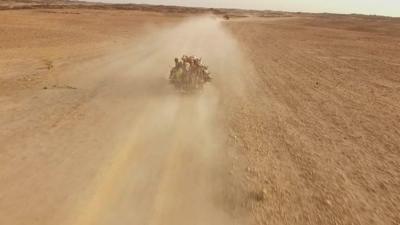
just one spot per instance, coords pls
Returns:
(189, 72)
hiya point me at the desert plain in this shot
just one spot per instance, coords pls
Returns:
(300, 125)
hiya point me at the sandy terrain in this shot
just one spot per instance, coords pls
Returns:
(320, 126)
(300, 125)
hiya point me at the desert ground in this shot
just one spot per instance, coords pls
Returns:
(301, 124)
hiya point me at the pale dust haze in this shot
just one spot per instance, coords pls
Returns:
(298, 126)
(369, 7)
(170, 167)
(137, 151)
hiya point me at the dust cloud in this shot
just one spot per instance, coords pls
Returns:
(168, 166)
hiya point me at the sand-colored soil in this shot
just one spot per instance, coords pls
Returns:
(299, 126)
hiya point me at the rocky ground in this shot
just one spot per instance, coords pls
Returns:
(300, 124)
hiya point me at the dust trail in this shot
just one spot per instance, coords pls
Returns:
(166, 171)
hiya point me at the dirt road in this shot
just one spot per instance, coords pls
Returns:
(300, 124)
(170, 167)
(112, 143)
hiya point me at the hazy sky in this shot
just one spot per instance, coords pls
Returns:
(378, 7)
